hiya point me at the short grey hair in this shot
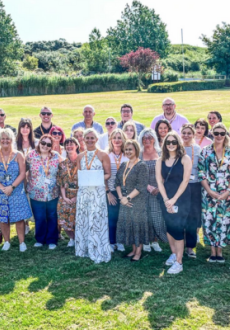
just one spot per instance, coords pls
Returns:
(168, 98)
(9, 133)
(151, 132)
(46, 108)
(91, 130)
(89, 106)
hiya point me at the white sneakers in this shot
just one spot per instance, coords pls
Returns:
(175, 268)
(156, 247)
(147, 248)
(6, 246)
(120, 247)
(22, 247)
(38, 244)
(170, 261)
(71, 243)
(52, 246)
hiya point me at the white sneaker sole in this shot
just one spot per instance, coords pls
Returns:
(175, 272)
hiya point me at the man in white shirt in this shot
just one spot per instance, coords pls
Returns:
(176, 120)
(111, 125)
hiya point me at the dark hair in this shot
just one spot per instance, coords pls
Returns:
(180, 151)
(72, 139)
(204, 123)
(217, 114)
(127, 105)
(53, 128)
(162, 121)
(42, 138)
(19, 139)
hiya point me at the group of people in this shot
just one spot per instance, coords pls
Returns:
(130, 186)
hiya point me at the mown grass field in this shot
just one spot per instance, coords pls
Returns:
(44, 289)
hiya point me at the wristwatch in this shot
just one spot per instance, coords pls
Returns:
(107, 191)
(13, 187)
(129, 199)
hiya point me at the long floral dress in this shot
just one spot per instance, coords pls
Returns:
(215, 213)
(92, 232)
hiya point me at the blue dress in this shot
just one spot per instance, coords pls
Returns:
(15, 207)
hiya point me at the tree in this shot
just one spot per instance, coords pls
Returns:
(10, 44)
(219, 48)
(139, 27)
(30, 62)
(142, 61)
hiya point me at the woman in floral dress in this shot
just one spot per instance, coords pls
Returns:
(214, 174)
(67, 181)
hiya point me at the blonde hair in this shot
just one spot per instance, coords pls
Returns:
(131, 123)
(91, 130)
(123, 138)
(9, 133)
(221, 125)
(180, 152)
(136, 146)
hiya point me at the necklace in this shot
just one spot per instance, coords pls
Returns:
(86, 159)
(222, 159)
(6, 164)
(118, 161)
(127, 166)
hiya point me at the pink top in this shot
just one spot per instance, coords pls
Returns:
(205, 142)
(176, 123)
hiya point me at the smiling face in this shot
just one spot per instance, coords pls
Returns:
(46, 116)
(88, 114)
(129, 132)
(126, 114)
(163, 130)
(187, 136)
(5, 141)
(90, 141)
(79, 136)
(171, 144)
(148, 141)
(212, 119)
(117, 140)
(25, 131)
(57, 135)
(111, 125)
(168, 107)
(218, 138)
(71, 147)
(200, 130)
(44, 148)
(130, 151)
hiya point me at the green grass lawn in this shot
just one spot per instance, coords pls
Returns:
(42, 289)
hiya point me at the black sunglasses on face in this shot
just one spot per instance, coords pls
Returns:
(2, 114)
(46, 113)
(219, 133)
(57, 133)
(43, 143)
(174, 143)
(110, 123)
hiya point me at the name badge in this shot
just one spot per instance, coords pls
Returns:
(219, 175)
(48, 181)
(192, 177)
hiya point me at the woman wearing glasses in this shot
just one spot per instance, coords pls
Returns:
(42, 164)
(68, 183)
(173, 172)
(58, 136)
(214, 174)
(111, 125)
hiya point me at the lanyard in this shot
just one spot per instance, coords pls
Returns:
(46, 170)
(27, 151)
(172, 119)
(192, 153)
(127, 166)
(71, 176)
(222, 159)
(86, 159)
(118, 161)
(201, 141)
(6, 164)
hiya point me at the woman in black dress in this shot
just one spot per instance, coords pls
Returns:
(173, 171)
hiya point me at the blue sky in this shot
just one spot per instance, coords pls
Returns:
(74, 19)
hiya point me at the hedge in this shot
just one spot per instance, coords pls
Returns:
(47, 85)
(185, 86)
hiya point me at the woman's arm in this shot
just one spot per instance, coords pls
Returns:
(187, 164)
(160, 180)
(106, 166)
(212, 193)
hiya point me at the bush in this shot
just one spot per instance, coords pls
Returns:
(47, 85)
(169, 76)
(185, 86)
(227, 82)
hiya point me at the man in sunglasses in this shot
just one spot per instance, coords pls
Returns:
(169, 113)
(88, 122)
(46, 124)
(2, 122)
(126, 115)
(111, 125)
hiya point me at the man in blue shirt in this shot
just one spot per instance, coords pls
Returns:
(126, 115)
(88, 122)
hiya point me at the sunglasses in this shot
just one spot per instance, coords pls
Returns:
(174, 143)
(219, 133)
(46, 113)
(2, 114)
(110, 123)
(26, 120)
(43, 143)
(57, 133)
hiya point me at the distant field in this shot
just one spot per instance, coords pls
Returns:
(67, 109)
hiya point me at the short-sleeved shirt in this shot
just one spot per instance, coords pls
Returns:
(12, 129)
(195, 150)
(38, 132)
(138, 125)
(38, 188)
(176, 124)
(98, 127)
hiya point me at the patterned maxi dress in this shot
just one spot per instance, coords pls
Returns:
(67, 212)
(92, 233)
(15, 207)
(215, 213)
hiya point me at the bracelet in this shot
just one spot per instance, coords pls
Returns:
(166, 199)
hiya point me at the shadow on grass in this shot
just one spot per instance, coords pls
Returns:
(166, 298)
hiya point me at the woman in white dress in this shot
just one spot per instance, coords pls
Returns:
(92, 233)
